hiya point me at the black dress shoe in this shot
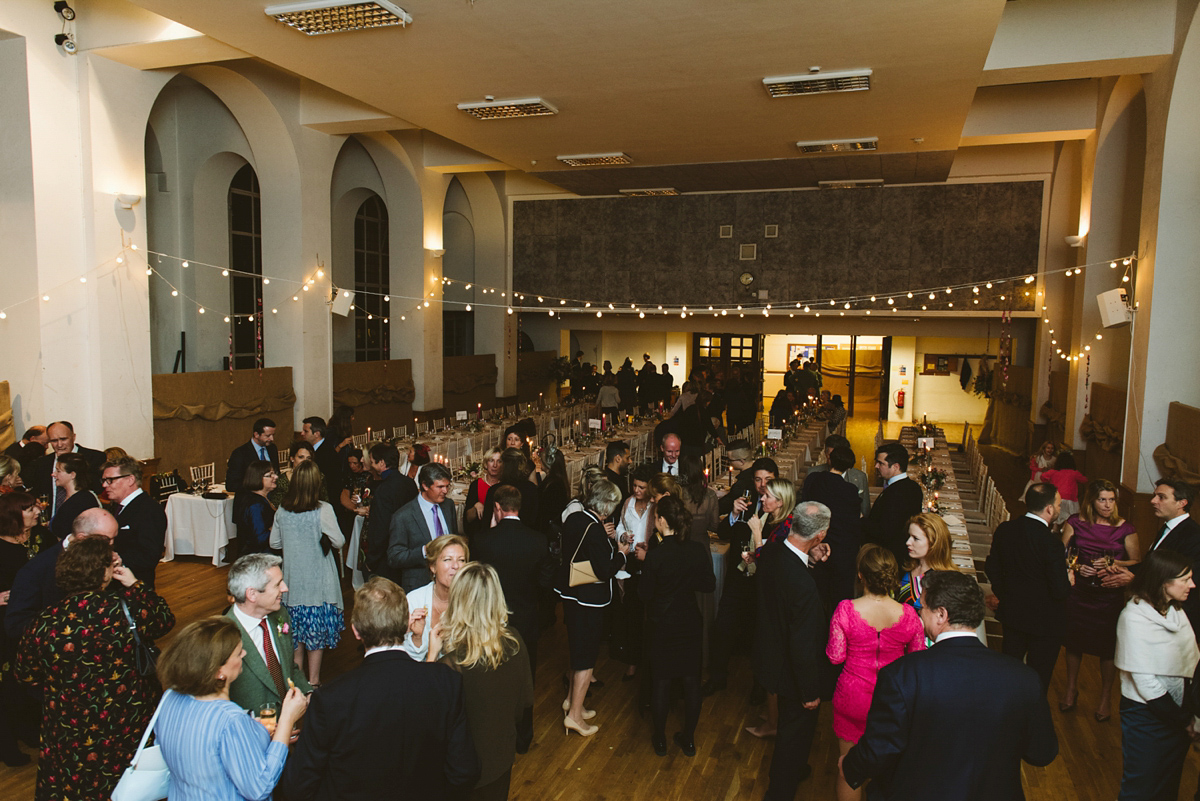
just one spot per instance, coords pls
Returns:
(712, 687)
(687, 746)
(660, 745)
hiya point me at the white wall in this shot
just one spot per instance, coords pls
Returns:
(942, 398)
(902, 377)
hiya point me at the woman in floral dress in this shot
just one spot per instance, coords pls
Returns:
(80, 654)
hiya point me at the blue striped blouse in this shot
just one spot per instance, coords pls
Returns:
(216, 752)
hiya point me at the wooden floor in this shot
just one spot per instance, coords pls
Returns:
(617, 763)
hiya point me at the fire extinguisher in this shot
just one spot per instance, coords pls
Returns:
(899, 399)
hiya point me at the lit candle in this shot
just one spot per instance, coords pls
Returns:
(479, 410)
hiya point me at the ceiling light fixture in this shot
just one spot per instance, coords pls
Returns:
(839, 145)
(508, 109)
(337, 16)
(595, 159)
(858, 80)
(660, 192)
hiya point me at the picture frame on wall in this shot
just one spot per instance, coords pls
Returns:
(800, 352)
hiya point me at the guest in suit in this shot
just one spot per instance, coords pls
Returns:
(515, 471)
(34, 587)
(325, 453)
(852, 474)
(214, 750)
(955, 721)
(253, 512)
(392, 490)
(416, 524)
(616, 465)
(586, 539)
(21, 451)
(261, 447)
(1028, 570)
(445, 556)
(647, 384)
(474, 638)
(901, 499)
(141, 522)
(62, 441)
(673, 572)
(830, 487)
(391, 726)
(1156, 654)
(668, 460)
(477, 491)
(72, 474)
(789, 647)
(256, 583)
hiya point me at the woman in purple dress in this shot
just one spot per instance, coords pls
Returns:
(1096, 539)
(867, 633)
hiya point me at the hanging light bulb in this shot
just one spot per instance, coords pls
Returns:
(226, 318)
(910, 294)
(989, 284)
(202, 310)
(149, 271)
(806, 309)
(932, 296)
(266, 280)
(225, 273)
(468, 309)
(1099, 336)
(846, 306)
(174, 293)
(185, 264)
(642, 315)
(891, 301)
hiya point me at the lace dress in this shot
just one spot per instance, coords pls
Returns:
(864, 650)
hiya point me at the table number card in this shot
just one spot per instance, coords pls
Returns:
(460, 416)
(594, 424)
(774, 433)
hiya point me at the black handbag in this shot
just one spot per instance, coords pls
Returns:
(145, 655)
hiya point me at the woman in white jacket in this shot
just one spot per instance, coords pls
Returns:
(1156, 653)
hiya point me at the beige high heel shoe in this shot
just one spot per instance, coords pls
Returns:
(584, 729)
(588, 714)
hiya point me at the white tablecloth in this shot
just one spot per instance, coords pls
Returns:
(352, 551)
(198, 526)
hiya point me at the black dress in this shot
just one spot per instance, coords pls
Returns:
(673, 572)
(71, 508)
(253, 515)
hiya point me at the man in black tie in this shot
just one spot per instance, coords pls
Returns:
(952, 723)
(668, 461)
(23, 453)
(260, 447)
(62, 441)
(313, 430)
(141, 522)
(1172, 502)
(391, 491)
(789, 647)
(616, 460)
(1028, 570)
(887, 525)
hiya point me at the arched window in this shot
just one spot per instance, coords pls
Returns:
(245, 268)
(372, 331)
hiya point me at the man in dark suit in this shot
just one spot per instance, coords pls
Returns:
(616, 461)
(1028, 570)
(887, 525)
(34, 587)
(141, 522)
(954, 722)
(789, 647)
(647, 383)
(837, 575)
(391, 491)
(255, 582)
(62, 441)
(855, 476)
(313, 430)
(389, 728)
(1172, 502)
(519, 555)
(418, 522)
(25, 455)
(260, 447)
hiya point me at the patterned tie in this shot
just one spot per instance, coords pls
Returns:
(272, 660)
(437, 524)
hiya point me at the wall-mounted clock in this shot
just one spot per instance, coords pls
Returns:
(746, 278)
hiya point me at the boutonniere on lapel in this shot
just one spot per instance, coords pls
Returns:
(283, 628)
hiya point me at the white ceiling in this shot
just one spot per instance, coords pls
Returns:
(670, 82)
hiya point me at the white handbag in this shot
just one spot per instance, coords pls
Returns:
(147, 778)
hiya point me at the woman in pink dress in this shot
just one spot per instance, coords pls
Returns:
(867, 633)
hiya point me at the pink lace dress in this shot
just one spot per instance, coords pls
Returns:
(864, 650)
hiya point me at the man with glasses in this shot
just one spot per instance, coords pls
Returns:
(141, 522)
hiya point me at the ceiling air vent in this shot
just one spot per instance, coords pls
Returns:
(336, 16)
(508, 109)
(725, 232)
(660, 192)
(595, 159)
(839, 145)
(770, 231)
(747, 252)
(818, 83)
(851, 183)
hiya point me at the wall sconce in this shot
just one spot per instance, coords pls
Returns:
(128, 201)
(437, 253)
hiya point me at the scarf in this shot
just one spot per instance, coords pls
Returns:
(1148, 642)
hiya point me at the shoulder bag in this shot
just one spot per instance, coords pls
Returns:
(147, 778)
(145, 655)
(581, 572)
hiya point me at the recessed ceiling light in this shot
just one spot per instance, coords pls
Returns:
(854, 183)
(818, 83)
(666, 190)
(595, 159)
(508, 109)
(336, 16)
(839, 145)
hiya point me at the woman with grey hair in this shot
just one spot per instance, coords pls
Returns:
(591, 546)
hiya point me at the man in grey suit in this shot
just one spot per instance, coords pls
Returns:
(855, 476)
(418, 523)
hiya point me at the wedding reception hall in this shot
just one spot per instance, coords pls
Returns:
(661, 368)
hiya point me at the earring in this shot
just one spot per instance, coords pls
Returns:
(220, 677)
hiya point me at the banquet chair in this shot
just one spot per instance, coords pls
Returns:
(423, 428)
(438, 425)
(399, 432)
(359, 440)
(203, 473)
(285, 455)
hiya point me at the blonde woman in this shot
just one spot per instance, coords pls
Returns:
(478, 490)
(474, 638)
(427, 604)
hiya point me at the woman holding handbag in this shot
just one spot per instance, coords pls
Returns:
(214, 750)
(585, 584)
(307, 531)
(83, 641)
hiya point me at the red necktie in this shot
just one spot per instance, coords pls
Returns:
(272, 661)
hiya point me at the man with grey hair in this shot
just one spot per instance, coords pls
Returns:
(789, 646)
(419, 522)
(256, 583)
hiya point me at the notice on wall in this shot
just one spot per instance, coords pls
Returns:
(460, 416)
(774, 433)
